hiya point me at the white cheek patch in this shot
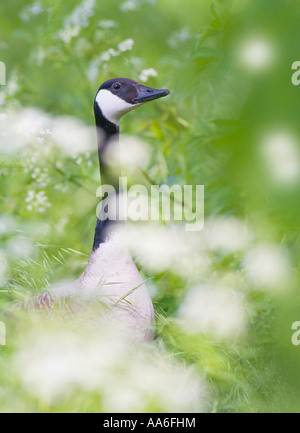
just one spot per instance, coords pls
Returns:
(113, 107)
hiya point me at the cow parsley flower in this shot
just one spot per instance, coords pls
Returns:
(37, 201)
(31, 10)
(132, 5)
(57, 366)
(78, 19)
(126, 45)
(129, 5)
(146, 73)
(107, 24)
(213, 310)
(41, 177)
(268, 267)
(81, 15)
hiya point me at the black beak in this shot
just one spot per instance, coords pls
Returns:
(146, 94)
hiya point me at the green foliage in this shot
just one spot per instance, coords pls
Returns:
(212, 130)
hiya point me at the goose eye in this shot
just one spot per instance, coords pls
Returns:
(116, 86)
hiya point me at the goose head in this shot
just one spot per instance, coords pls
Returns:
(117, 96)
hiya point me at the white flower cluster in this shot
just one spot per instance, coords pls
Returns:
(37, 201)
(41, 177)
(129, 5)
(218, 311)
(30, 129)
(107, 24)
(126, 45)
(83, 157)
(93, 70)
(33, 9)
(255, 53)
(132, 5)
(262, 267)
(281, 156)
(56, 366)
(72, 136)
(105, 57)
(146, 73)
(268, 267)
(78, 19)
(23, 127)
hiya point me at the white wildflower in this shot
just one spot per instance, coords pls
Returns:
(146, 73)
(173, 387)
(69, 33)
(23, 128)
(37, 201)
(126, 45)
(165, 247)
(130, 152)
(72, 136)
(282, 157)
(3, 116)
(129, 5)
(81, 15)
(113, 52)
(132, 5)
(78, 19)
(105, 56)
(228, 234)
(59, 365)
(267, 266)
(213, 310)
(41, 177)
(107, 24)
(94, 66)
(34, 9)
(256, 53)
(36, 172)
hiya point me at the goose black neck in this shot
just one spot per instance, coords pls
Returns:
(107, 132)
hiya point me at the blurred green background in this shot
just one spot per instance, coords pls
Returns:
(231, 123)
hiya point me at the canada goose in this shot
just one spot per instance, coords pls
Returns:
(110, 273)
